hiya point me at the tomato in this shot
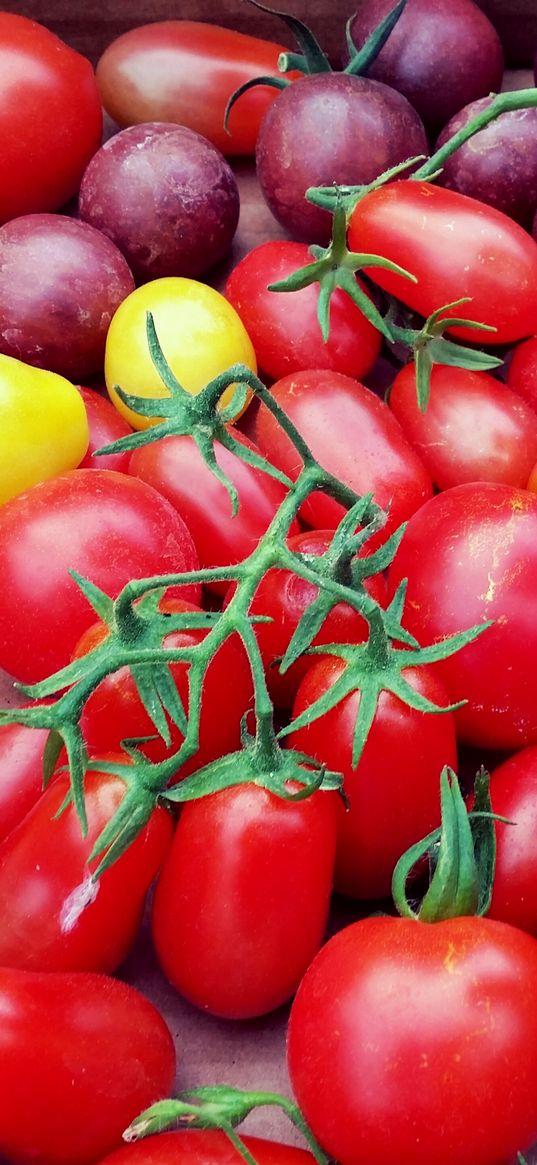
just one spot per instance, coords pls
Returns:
(470, 554)
(205, 1147)
(455, 246)
(241, 904)
(393, 791)
(354, 435)
(522, 371)
(513, 792)
(109, 527)
(199, 331)
(283, 326)
(21, 768)
(105, 426)
(81, 1055)
(52, 919)
(415, 1042)
(114, 711)
(43, 426)
(463, 404)
(51, 120)
(175, 467)
(185, 71)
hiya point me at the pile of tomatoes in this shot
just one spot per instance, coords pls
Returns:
(268, 584)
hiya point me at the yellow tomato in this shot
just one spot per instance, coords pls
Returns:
(43, 426)
(199, 332)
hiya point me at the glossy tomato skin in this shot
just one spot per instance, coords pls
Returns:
(174, 466)
(283, 326)
(106, 525)
(83, 1054)
(470, 555)
(51, 919)
(204, 1147)
(462, 404)
(105, 425)
(393, 791)
(415, 1042)
(455, 246)
(186, 71)
(513, 791)
(21, 766)
(114, 711)
(237, 919)
(522, 371)
(355, 436)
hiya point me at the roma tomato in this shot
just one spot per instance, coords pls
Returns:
(51, 119)
(393, 791)
(455, 246)
(354, 435)
(470, 554)
(463, 403)
(81, 1056)
(43, 426)
(53, 919)
(186, 71)
(106, 525)
(283, 326)
(199, 331)
(242, 902)
(417, 1042)
(205, 1147)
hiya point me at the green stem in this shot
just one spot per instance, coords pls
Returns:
(501, 103)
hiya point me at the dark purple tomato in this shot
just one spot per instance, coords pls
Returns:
(166, 196)
(441, 54)
(326, 128)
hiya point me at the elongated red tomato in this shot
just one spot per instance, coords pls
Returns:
(21, 772)
(205, 1147)
(455, 246)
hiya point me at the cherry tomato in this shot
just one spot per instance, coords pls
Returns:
(105, 426)
(241, 904)
(416, 1042)
(463, 404)
(51, 121)
(109, 527)
(455, 246)
(81, 1055)
(283, 326)
(522, 371)
(204, 1147)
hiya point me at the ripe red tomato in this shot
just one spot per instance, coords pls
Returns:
(21, 766)
(522, 371)
(83, 1054)
(283, 326)
(513, 791)
(51, 120)
(241, 904)
(455, 246)
(470, 554)
(51, 917)
(106, 525)
(414, 1042)
(463, 403)
(354, 435)
(105, 425)
(204, 1147)
(393, 791)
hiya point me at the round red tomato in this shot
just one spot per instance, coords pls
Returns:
(470, 555)
(105, 425)
(21, 766)
(522, 371)
(283, 326)
(205, 1147)
(414, 1042)
(513, 792)
(241, 904)
(455, 246)
(110, 528)
(51, 120)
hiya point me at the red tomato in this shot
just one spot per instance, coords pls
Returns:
(21, 768)
(393, 791)
(522, 371)
(513, 791)
(414, 1042)
(109, 527)
(241, 905)
(52, 918)
(114, 711)
(51, 122)
(283, 326)
(355, 436)
(175, 467)
(81, 1055)
(455, 246)
(474, 428)
(204, 1147)
(105, 425)
(185, 71)
(470, 554)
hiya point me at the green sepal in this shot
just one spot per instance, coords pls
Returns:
(52, 750)
(362, 59)
(484, 839)
(328, 196)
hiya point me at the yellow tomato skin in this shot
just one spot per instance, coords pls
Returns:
(199, 332)
(43, 426)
